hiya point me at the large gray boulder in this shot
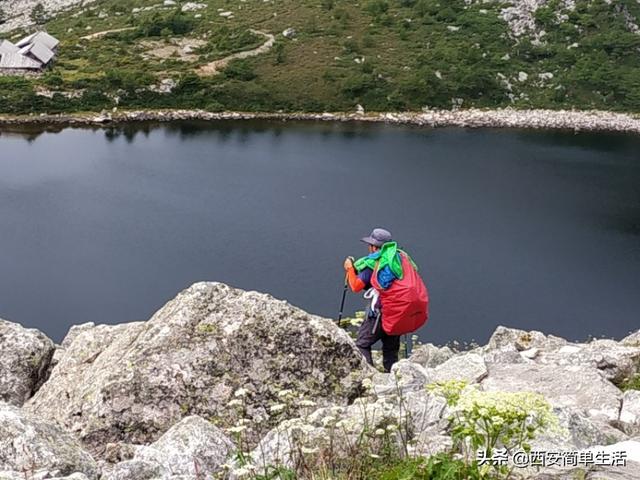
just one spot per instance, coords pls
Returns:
(582, 387)
(25, 354)
(28, 444)
(209, 345)
(192, 447)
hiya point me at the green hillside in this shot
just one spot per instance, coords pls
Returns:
(383, 54)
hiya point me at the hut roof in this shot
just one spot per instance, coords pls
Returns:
(17, 61)
(39, 52)
(39, 37)
(7, 47)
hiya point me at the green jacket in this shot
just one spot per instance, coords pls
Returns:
(386, 256)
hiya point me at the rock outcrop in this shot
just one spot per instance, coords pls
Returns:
(193, 447)
(211, 344)
(25, 355)
(582, 387)
(30, 447)
(220, 371)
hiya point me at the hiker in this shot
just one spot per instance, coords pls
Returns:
(398, 297)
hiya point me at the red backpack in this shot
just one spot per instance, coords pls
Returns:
(405, 303)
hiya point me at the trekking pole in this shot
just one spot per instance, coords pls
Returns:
(344, 296)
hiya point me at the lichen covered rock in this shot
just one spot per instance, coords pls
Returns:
(192, 447)
(430, 356)
(582, 387)
(25, 354)
(195, 354)
(28, 444)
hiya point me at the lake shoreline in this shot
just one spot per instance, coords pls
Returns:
(575, 120)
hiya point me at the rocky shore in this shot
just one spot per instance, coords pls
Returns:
(571, 120)
(219, 370)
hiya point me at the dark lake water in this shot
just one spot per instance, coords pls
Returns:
(536, 230)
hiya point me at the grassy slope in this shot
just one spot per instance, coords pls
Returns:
(411, 58)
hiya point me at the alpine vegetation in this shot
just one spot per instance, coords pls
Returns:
(330, 56)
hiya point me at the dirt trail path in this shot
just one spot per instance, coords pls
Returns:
(216, 66)
(102, 34)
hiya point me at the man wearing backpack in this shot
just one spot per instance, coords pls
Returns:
(392, 280)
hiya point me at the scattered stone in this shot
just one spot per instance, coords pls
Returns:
(289, 33)
(468, 367)
(408, 376)
(25, 355)
(430, 356)
(574, 120)
(166, 85)
(522, 340)
(530, 353)
(193, 6)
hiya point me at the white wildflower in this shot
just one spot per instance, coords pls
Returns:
(237, 429)
(241, 392)
(278, 407)
(326, 421)
(307, 450)
(285, 393)
(306, 403)
(379, 432)
(235, 403)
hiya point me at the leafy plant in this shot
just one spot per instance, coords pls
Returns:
(490, 420)
(38, 14)
(632, 383)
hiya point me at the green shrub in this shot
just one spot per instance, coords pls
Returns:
(165, 23)
(226, 41)
(377, 7)
(632, 383)
(240, 69)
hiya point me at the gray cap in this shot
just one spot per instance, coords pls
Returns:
(378, 237)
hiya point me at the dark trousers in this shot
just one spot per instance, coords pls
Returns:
(367, 336)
